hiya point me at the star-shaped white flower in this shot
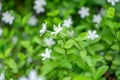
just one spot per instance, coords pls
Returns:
(68, 22)
(113, 2)
(39, 6)
(32, 21)
(42, 31)
(46, 54)
(49, 42)
(92, 34)
(7, 17)
(97, 18)
(57, 29)
(0, 6)
(2, 77)
(1, 31)
(84, 12)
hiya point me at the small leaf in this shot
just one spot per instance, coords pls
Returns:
(83, 54)
(110, 12)
(100, 71)
(69, 44)
(83, 36)
(82, 78)
(115, 47)
(21, 56)
(7, 52)
(59, 50)
(12, 64)
(65, 64)
(48, 67)
(90, 61)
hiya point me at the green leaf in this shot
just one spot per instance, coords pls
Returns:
(65, 64)
(67, 78)
(81, 64)
(7, 52)
(110, 12)
(21, 56)
(100, 71)
(115, 47)
(82, 78)
(118, 35)
(12, 64)
(116, 62)
(83, 54)
(25, 44)
(48, 67)
(90, 61)
(69, 44)
(53, 13)
(59, 50)
(97, 47)
(83, 36)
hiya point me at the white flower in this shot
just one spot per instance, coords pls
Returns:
(112, 2)
(49, 41)
(0, 6)
(29, 59)
(7, 17)
(57, 29)
(92, 34)
(39, 6)
(23, 78)
(68, 22)
(42, 31)
(14, 39)
(84, 12)
(1, 31)
(97, 18)
(40, 2)
(39, 9)
(32, 21)
(2, 77)
(32, 76)
(46, 54)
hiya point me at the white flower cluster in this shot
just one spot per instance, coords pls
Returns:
(7, 18)
(31, 76)
(84, 12)
(39, 6)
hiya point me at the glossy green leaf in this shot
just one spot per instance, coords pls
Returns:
(100, 71)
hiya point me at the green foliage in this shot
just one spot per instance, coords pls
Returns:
(72, 54)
